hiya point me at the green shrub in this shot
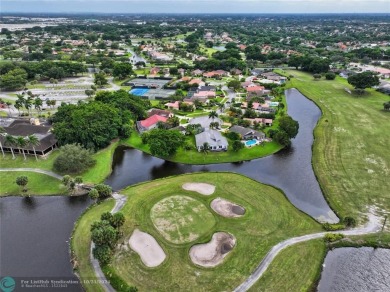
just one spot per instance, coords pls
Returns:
(332, 237)
(73, 159)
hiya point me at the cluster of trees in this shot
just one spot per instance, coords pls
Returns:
(94, 124)
(73, 158)
(105, 234)
(163, 143)
(44, 69)
(363, 80)
(310, 64)
(224, 64)
(100, 191)
(72, 184)
(288, 129)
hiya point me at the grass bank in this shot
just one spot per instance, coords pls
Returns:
(351, 156)
(296, 268)
(38, 184)
(269, 218)
(81, 241)
(195, 157)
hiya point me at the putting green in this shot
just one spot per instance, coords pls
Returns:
(181, 219)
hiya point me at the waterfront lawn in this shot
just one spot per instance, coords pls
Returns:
(195, 157)
(269, 219)
(81, 242)
(296, 268)
(351, 156)
(38, 184)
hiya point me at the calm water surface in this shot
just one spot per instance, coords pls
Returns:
(356, 269)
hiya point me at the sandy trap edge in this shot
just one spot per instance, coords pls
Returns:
(202, 188)
(227, 208)
(212, 253)
(146, 246)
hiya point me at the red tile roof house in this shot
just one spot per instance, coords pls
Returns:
(197, 81)
(154, 70)
(150, 123)
(159, 112)
(208, 94)
(255, 90)
(172, 105)
(218, 73)
(197, 72)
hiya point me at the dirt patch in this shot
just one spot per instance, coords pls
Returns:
(226, 208)
(201, 188)
(211, 254)
(151, 253)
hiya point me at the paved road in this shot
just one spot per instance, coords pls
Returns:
(47, 172)
(372, 226)
(120, 201)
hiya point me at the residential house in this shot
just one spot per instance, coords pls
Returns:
(150, 123)
(213, 138)
(154, 70)
(172, 105)
(247, 133)
(255, 90)
(261, 121)
(205, 121)
(159, 112)
(197, 81)
(197, 72)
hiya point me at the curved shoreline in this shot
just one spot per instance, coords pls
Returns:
(37, 170)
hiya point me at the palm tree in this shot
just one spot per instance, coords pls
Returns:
(33, 141)
(21, 142)
(11, 141)
(213, 115)
(2, 133)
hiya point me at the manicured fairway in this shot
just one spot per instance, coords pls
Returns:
(351, 156)
(295, 269)
(38, 184)
(269, 218)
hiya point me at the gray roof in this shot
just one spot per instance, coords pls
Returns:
(205, 121)
(212, 137)
(245, 131)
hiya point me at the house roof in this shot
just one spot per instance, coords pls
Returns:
(245, 131)
(212, 137)
(152, 121)
(255, 88)
(205, 121)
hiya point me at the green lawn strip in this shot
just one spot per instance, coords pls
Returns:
(296, 268)
(195, 157)
(81, 242)
(103, 165)
(376, 240)
(269, 219)
(350, 152)
(38, 184)
(45, 163)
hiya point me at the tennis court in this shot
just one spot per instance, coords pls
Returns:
(139, 91)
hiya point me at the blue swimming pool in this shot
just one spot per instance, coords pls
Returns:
(250, 142)
(139, 91)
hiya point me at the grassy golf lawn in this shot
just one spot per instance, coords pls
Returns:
(269, 218)
(351, 156)
(80, 244)
(296, 268)
(38, 184)
(195, 157)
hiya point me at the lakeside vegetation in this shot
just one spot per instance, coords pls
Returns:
(350, 152)
(38, 184)
(262, 203)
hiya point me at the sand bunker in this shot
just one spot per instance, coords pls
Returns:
(212, 253)
(201, 188)
(226, 208)
(147, 248)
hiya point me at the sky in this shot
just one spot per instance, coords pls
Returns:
(197, 6)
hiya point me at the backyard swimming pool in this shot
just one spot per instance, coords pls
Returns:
(139, 91)
(250, 142)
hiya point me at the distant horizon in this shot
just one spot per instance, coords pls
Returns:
(197, 6)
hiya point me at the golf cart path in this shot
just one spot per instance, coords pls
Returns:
(37, 170)
(372, 226)
(120, 201)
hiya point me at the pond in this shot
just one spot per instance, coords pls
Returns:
(289, 170)
(356, 269)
